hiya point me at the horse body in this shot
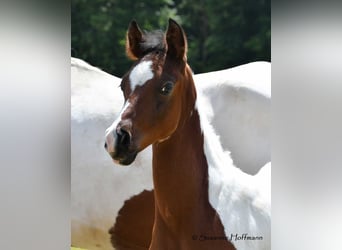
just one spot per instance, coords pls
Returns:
(197, 188)
(238, 101)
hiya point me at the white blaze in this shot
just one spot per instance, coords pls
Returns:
(141, 74)
(110, 135)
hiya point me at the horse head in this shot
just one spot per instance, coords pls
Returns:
(156, 91)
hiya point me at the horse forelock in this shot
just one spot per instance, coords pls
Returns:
(153, 41)
(153, 47)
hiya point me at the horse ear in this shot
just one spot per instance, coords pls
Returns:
(134, 38)
(176, 41)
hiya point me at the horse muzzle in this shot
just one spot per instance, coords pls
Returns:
(119, 146)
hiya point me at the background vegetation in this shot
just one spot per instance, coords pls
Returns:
(221, 33)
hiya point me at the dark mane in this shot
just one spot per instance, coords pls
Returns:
(152, 41)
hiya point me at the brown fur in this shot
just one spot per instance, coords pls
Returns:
(133, 226)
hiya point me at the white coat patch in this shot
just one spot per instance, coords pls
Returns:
(140, 74)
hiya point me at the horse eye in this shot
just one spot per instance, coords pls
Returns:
(167, 88)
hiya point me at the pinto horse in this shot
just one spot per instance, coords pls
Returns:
(202, 201)
(239, 111)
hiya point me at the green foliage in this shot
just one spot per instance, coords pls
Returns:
(221, 33)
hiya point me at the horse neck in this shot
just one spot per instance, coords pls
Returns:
(180, 170)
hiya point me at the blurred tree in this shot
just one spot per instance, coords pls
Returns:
(99, 28)
(224, 34)
(221, 33)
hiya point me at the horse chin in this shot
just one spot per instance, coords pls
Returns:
(127, 159)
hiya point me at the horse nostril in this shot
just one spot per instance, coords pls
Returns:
(123, 137)
(105, 145)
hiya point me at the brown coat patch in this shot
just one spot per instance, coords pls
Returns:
(133, 226)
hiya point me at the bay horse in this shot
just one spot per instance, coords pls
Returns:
(202, 201)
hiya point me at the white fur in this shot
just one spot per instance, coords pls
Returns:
(110, 132)
(99, 187)
(140, 74)
(242, 201)
(240, 110)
